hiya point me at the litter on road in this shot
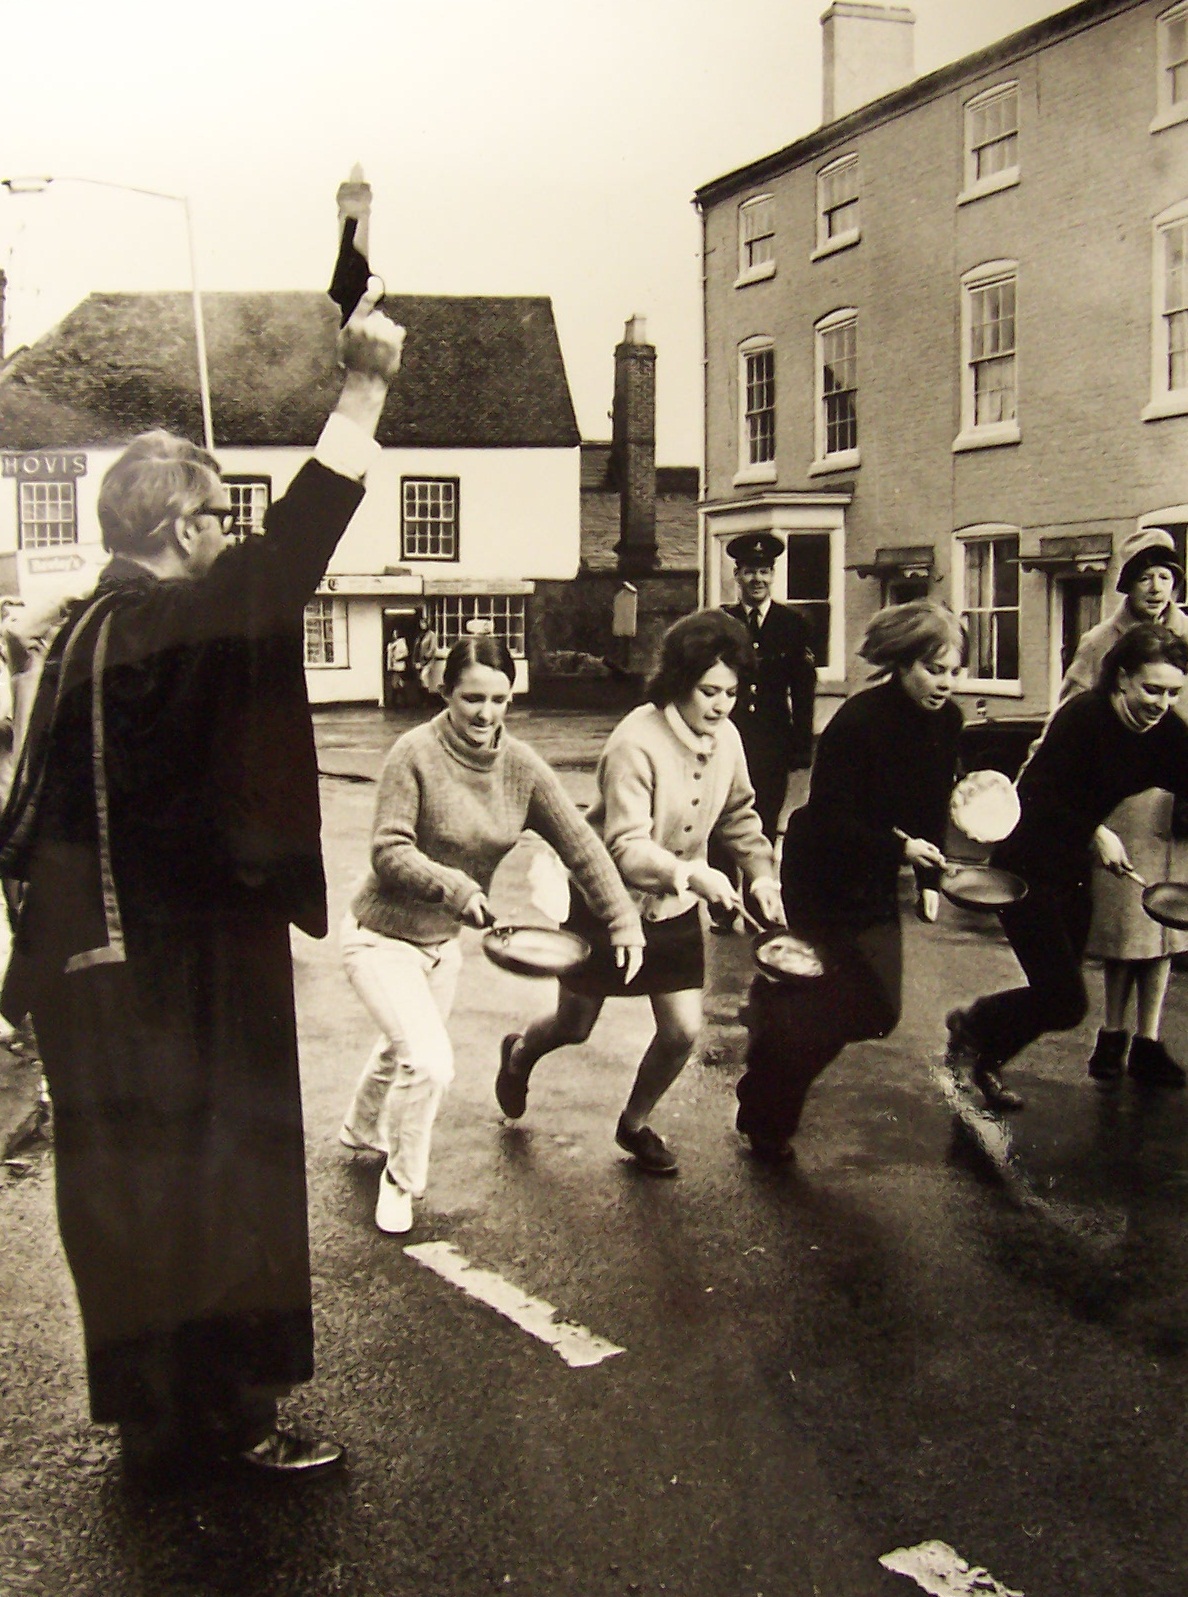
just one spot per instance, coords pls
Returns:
(942, 1572)
(577, 1346)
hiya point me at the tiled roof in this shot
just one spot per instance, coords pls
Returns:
(478, 372)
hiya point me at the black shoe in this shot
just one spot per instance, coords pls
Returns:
(771, 1150)
(1107, 1061)
(961, 1052)
(990, 1084)
(286, 1453)
(1150, 1065)
(649, 1150)
(511, 1088)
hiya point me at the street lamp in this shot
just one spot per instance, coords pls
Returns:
(38, 185)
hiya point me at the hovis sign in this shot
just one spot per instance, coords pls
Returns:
(46, 466)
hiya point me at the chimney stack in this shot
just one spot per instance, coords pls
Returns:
(354, 199)
(868, 51)
(633, 449)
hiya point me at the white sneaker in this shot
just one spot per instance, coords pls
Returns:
(351, 1139)
(393, 1207)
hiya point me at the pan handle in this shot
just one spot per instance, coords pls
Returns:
(904, 838)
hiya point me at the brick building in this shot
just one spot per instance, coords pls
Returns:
(947, 335)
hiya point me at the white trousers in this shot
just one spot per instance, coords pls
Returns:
(408, 991)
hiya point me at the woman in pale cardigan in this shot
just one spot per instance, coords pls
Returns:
(454, 797)
(672, 774)
(1135, 952)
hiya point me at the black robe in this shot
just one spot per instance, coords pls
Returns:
(164, 825)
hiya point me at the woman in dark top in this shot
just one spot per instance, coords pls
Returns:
(1098, 749)
(878, 799)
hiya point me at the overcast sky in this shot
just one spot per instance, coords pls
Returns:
(513, 146)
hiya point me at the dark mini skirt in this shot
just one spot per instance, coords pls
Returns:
(674, 956)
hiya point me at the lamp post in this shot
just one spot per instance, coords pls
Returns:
(38, 185)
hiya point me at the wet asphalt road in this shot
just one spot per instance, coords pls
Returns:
(916, 1332)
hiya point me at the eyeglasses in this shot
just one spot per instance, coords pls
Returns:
(226, 517)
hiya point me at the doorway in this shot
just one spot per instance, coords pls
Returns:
(1080, 609)
(400, 631)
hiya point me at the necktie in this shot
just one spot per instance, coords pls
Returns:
(753, 624)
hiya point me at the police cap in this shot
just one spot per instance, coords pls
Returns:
(755, 549)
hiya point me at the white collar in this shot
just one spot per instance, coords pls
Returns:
(695, 742)
(762, 610)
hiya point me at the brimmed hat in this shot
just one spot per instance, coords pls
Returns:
(1142, 549)
(755, 549)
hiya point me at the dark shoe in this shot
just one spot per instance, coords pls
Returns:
(511, 1088)
(771, 1150)
(961, 1051)
(990, 1084)
(1150, 1065)
(1107, 1061)
(648, 1150)
(286, 1453)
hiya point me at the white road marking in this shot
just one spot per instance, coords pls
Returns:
(577, 1346)
(942, 1572)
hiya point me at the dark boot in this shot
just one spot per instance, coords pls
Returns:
(1107, 1061)
(965, 1058)
(1150, 1065)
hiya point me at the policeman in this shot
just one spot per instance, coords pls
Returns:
(774, 709)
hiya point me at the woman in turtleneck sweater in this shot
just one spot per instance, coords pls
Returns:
(878, 799)
(1098, 748)
(454, 797)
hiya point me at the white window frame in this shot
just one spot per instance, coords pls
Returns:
(1165, 400)
(415, 483)
(755, 470)
(333, 611)
(1169, 113)
(975, 187)
(448, 613)
(250, 499)
(839, 459)
(761, 270)
(45, 504)
(987, 435)
(1006, 687)
(847, 237)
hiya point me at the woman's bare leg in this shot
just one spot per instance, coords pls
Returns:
(678, 1026)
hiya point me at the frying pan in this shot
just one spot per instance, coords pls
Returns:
(1165, 902)
(977, 887)
(783, 956)
(980, 887)
(535, 950)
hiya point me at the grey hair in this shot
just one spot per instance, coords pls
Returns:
(158, 478)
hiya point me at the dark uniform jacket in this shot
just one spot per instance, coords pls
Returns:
(774, 710)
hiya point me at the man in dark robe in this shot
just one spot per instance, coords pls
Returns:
(161, 835)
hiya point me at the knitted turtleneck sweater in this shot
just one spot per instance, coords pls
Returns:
(446, 814)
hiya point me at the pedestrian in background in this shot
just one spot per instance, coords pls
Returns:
(672, 775)
(1135, 951)
(1099, 748)
(164, 826)
(878, 799)
(454, 798)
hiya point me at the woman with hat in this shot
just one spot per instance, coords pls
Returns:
(1135, 951)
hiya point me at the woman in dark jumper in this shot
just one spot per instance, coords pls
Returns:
(1098, 749)
(878, 799)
